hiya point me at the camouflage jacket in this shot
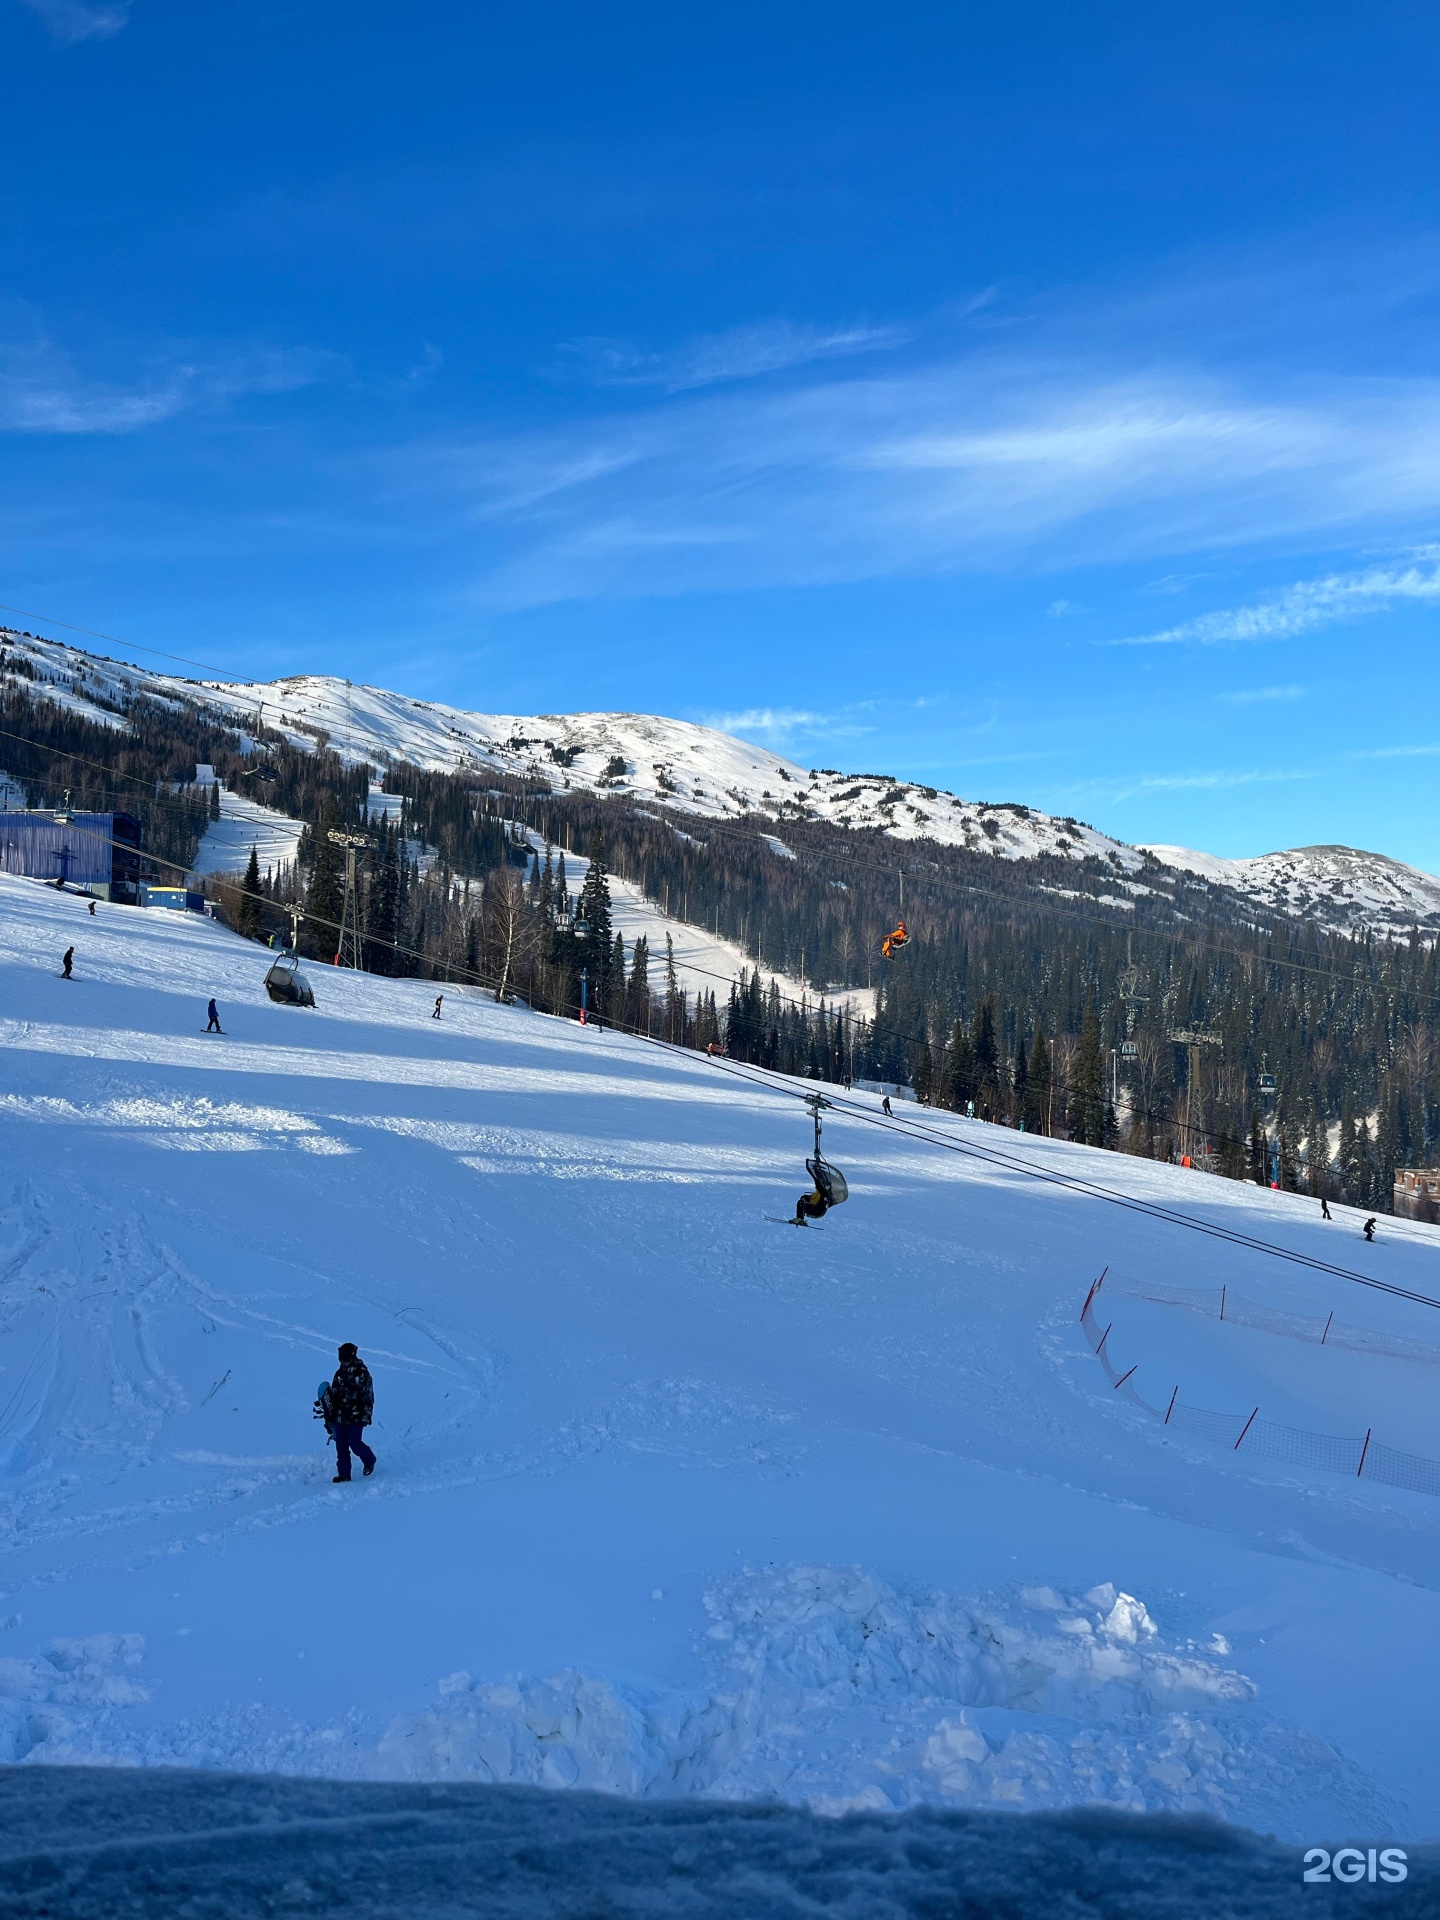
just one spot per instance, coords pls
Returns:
(352, 1395)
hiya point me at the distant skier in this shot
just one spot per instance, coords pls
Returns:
(67, 963)
(92, 909)
(436, 1014)
(885, 1107)
(214, 1026)
(1369, 1228)
(352, 1407)
(1324, 1208)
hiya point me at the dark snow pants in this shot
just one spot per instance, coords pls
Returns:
(347, 1441)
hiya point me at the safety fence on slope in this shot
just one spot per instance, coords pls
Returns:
(1364, 1458)
(1223, 1303)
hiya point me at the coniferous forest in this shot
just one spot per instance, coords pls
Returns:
(1026, 993)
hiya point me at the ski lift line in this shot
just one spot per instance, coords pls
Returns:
(454, 967)
(1169, 1216)
(93, 633)
(775, 1083)
(1236, 953)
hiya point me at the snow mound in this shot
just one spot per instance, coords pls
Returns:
(827, 1688)
(831, 1689)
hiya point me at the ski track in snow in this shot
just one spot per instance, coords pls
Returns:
(670, 1500)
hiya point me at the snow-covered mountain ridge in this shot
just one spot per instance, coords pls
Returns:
(700, 770)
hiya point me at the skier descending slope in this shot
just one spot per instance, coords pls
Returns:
(352, 1407)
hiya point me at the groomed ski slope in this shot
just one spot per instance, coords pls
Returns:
(671, 1500)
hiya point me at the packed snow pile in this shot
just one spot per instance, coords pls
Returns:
(671, 1498)
(675, 764)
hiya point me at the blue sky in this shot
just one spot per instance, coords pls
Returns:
(1040, 401)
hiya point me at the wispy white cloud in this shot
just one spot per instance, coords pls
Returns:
(70, 22)
(42, 391)
(1251, 696)
(740, 353)
(1307, 606)
(979, 464)
(776, 724)
(1207, 780)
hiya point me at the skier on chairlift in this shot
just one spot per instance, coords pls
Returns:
(829, 1188)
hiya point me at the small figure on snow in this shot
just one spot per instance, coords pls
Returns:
(351, 1409)
(92, 909)
(436, 1014)
(214, 1026)
(1369, 1228)
(1324, 1208)
(67, 963)
(885, 1107)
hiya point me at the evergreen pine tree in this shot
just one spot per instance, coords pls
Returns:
(1258, 1157)
(1087, 1086)
(249, 910)
(1038, 1080)
(325, 896)
(596, 945)
(214, 808)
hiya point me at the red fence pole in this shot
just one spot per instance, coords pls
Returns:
(1103, 1338)
(1124, 1377)
(1363, 1451)
(1245, 1429)
(1324, 1335)
(1222, 1303)
(1171, 1408)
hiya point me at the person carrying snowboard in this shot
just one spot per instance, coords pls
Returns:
(67, 963)
(349, 1407)
(214, 1026)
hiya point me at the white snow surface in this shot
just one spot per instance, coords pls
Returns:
(700, 770)
(1335, 886)
(244, 824)
(671, 1499)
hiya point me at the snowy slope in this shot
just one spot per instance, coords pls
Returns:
(1336, 886)
(673, 763)
(671, 1499)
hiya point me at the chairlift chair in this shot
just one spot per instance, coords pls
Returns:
(286, 985)
(829, 1181)
(898, 936)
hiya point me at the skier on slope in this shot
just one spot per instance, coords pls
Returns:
(214, 1026)
(1369, 1228)
(67, 963)
(351, 1408)
(436, 1014)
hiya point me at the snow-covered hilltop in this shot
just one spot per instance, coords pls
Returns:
(700, 770)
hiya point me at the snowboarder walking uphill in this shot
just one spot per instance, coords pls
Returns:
(67, 963)
(214, 1026)
(1324, 1208)
(352, 1407)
